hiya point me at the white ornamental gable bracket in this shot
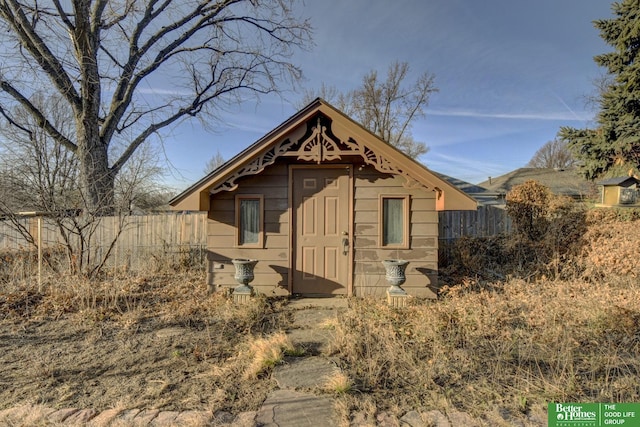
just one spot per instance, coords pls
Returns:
(382, 164)
(256, 166)
(319, 147)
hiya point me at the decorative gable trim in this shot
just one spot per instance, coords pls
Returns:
(320, 133)
(382, 164)
(319, 146)
(255, 167)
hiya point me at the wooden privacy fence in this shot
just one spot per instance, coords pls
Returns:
(486, 221)
(179, 233)
(140, 236)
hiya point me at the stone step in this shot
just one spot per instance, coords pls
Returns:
(290, 408)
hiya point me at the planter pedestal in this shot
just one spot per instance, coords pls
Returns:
(241, 297)
(397, 300)
(244, 275)
(395, 275)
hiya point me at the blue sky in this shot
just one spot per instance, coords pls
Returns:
(510, 73)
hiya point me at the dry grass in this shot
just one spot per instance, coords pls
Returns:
(179, 298)
(544, 332)
(265, 353)
(110, 329)
(512, 346)
(338, 383)
(17, 266)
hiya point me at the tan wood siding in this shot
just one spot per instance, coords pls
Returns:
(423, 252)
(272, 270)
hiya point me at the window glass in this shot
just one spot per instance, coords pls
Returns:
(249, 221)
(392, 221)
(627, 196)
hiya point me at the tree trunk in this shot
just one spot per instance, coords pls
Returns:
(96, 178)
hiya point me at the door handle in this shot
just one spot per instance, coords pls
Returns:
(345, 243)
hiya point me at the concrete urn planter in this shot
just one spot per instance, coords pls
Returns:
(244, 274)
(395, 275)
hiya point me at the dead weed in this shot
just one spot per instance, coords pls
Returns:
(157, 341)
(511, 346)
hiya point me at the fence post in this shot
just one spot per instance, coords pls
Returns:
(139, 236)
(39, 253)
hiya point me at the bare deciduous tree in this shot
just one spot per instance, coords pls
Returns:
(138, 186)
(135, 67)
(214, 162)
(553, 154)
(385, 107)
(343, 101)
(40, 175)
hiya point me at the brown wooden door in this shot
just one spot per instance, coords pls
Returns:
(320, 226)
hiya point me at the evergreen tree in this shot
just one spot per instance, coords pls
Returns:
(615, 143)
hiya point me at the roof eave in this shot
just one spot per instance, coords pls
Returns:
(223, 172)
(448, 196)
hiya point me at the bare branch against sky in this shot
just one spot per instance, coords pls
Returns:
(129, 69)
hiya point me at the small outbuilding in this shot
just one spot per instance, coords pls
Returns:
(320, 201)
(620, 191)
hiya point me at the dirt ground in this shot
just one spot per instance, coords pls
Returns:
(62, 363)
(170, 347)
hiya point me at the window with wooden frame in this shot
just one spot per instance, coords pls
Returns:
(394, 221)
(250, 220)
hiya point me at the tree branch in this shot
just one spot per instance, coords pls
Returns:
(37, 114)
(63, 16)
(12, 13)
(202, 98)
(130, 79)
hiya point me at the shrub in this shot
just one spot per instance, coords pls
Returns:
(528, 207)
(549, 230)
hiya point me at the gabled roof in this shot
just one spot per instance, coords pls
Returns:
(481, 194)
(566, 182)
(622, 181)
(320, 132)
